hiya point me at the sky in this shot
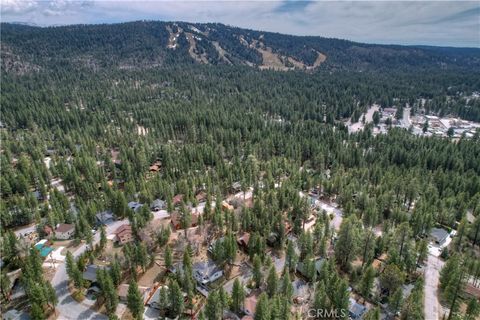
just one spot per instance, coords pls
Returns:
(441, 23)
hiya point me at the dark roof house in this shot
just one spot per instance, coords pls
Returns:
(439, 235)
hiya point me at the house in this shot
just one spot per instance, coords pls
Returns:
(154, 167)
(135, 206)
(64, 231)
(123, 291)
(378, 265)
(236, 187)
(176, 268)
(300, 291)
(123, 234)
(154, 299)
(158, 205)
(212, 245)
(104, 217)
(439, 235)
(226, 206)
(243, 240)
(470, 217)
(177, 199)
(176, 220)
(302, 270)
(250, 305)
(201, 196)
(48, 231)
(90, 274)
(356, 310)
(206, 272)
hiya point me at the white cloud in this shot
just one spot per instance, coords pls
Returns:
(17, 6)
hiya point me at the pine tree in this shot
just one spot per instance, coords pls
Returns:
(372, 314)
(272, 282)
(287, 287)
(238, 296)
(115, 272)
(176, 299)
(262, 311)
(213, 308)
(347, 243)
(473, 309)
(135, 300)
(36, 312)
(168, 257)
(103, 238)
(366, 281)
(395, 301)
(291, 257)
(257, 271)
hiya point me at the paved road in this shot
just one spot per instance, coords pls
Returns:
(432, 274)
(406, 117)
(69, 308)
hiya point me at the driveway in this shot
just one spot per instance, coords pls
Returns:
(432, 275)
(67, 307)
(337, 214)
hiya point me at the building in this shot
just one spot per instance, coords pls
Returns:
(226, 206)
(243, 240)
(154, 299)
(177, 199)
(48, 231)
(123, 292)
(158, 205)
(250, 305)
(300, 291)
(201, 196)
(90, 274)
(123, 234)
(301, 267)
(64, 231)
(356, 310)
(104, 217)
(135, 206)
(438, 235)
(176, 220)
(206, 272)
(155, 167)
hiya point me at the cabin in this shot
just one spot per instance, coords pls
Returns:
(123, 234)
(90, 273)
(177, 199)
(226, 206)
(243, 240)
(48, 231)
(154, 300)
(440, 236)
(206, 272)
(158, 205)
(123, 292)
(300, 291)
(135, 206)
(104, 217)
(64, 231)
(176, 220)
(356, 310)
(250, 305)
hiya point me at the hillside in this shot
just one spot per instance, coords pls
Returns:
(141, 45)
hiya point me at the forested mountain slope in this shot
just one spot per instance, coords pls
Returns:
(139, 45)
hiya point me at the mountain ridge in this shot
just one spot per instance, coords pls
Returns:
(146, 44)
